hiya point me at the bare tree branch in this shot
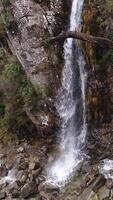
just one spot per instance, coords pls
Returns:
(84, 37)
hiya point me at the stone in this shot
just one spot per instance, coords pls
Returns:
(100, 181)
(109, 183)
(34, 165)
(29, 189)
(2, 195)
(104, 193)
(13, 186)
(23, 178)
(20, 150)
(41, 178)
(31, 166)
(2, 156)
(55, 194)
(23, 166)
(43, 196)
(15, 194)
(51, 188)
(37, 181)
(3, 171)
(36, 173)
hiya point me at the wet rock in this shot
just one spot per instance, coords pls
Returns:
(12, 187)
(51, 188)
(24, 178)
(109, 183)
(100, 181)
(29, 189)
(2, 195)
(41, 178)
(3, 171)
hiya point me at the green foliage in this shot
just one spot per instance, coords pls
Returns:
(6, 3)
(12, 70)
(17, 92)
(107, 59)
(7, 16)
(27, 90)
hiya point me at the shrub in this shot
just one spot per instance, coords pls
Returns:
(12, 70)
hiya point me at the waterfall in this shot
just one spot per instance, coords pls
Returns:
(71, 106)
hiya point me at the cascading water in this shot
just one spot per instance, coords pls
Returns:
(71, 106)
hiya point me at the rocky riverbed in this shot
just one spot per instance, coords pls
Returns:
(22, 176)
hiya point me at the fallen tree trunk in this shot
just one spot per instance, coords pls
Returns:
(84, 37)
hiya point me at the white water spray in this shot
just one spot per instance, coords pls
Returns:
(71, 106)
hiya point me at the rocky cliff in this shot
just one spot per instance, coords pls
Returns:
(29, 24)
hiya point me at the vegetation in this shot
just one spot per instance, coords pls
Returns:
(15, 92)
(6, 3)
(109, 6)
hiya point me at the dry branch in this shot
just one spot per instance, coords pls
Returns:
(84, 37)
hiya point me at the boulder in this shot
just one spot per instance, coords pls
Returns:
(51, 188)
(100, 181)
(109, 183)
(2, 195)
(13, 186)
(29, 189)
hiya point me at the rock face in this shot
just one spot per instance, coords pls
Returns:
(31, 24)
(99, 93)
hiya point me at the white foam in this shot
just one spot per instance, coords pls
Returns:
(106, 168)
(10, 178)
